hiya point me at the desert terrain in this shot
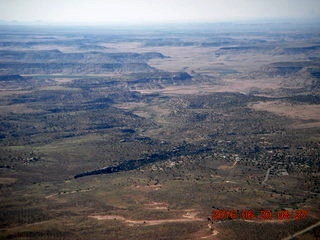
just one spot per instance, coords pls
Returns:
(145, 133)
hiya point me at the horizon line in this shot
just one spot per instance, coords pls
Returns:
(157, 23)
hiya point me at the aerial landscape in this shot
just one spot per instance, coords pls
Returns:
(165, 131)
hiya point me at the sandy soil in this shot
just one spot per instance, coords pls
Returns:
(157, 205)
(149, 188)
(301, 111)
(8, 180)
(231, 85)
(6, 92)
(187, 217)
(69, 192)
(18, 109)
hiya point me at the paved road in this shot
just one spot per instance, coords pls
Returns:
(302, 231)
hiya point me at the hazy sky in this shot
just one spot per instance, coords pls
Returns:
(147, 11)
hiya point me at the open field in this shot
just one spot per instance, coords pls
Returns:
(300, 111)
